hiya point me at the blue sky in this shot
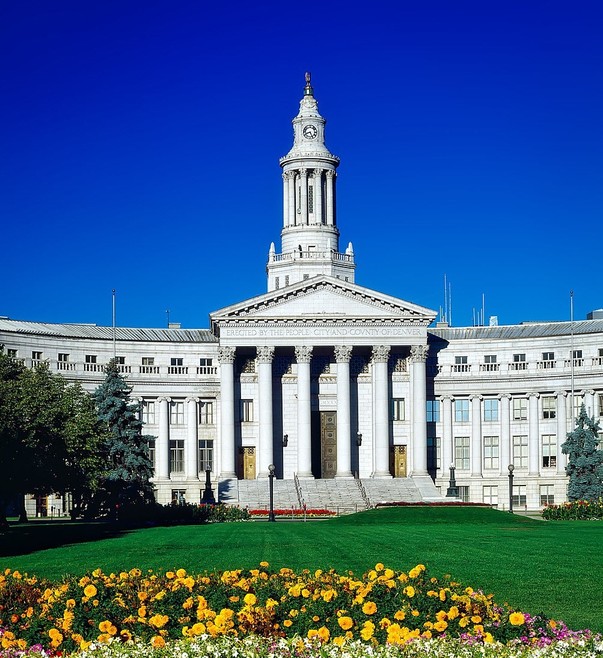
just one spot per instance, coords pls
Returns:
(140, 145)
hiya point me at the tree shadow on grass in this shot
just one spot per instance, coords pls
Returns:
(25, 538)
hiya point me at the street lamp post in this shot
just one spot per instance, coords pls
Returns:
(453, 490)
(271, 470)
(511, 469)
(208, 494)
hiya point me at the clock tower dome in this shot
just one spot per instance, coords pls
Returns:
(310, 237)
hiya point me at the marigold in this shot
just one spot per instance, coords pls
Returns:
(157, 642)
(250, 599)
(369, 608)
(517, 618)
(90, 591)
(345, 622)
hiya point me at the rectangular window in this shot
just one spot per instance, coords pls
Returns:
(549, 450)
(151, 449)
(548, 356)
(490, 452)
(178, 361)
(12, 354)
(491, 411)
(519, 495)
(398, 409)
(461, 411)
(90, 358)
(247, 411)
(549, 407)
(178, 496)
(519, 358)
(36, 356)
(433, 411)
(519, 362)
(206, 412)
(461, 453)
(464, 494)
(62, 357)
(520, 409)
(206, 455)
(176, 455)
(490, 495)
(520, 451)
(176, 413)
(434, 453)
(310, 198)
(460, 360)
(120, 360)
(148, 412)
(490, 358)
(547, 494)
(205, 362)
(148, 361)
(578, 400)
(600, 406)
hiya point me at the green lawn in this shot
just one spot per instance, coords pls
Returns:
(550, 567)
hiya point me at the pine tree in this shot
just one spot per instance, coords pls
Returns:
(585, 461)
(128, 468)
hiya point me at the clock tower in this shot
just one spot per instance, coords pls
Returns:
(310, 237)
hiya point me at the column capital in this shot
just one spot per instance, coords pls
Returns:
(226, 354)
(418, 353)
(303, 172)
(504, 396)
(446, 398)
(164, 398)
(303, 353)
(343, 353)
(330, 173)
(476, 396)
(534, 395)
(586, 391)
(381, 353)
(560, 394)
(192, 399)
(265, 354)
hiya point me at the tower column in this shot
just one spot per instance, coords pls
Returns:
(303, 355)
(476, 435)
(533, 438)
(291, 195)
(381, 406)
(192, 446)
(304, 196)
(330, 173)
(418, 357)
(285, 199)
(162, 448)
(266, 434)
(318, 196)
(226, 357)
(344, 442)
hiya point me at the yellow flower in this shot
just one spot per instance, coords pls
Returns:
(181, 573)
(516, 619)
(264, 564)
(379, 566)
(90, 591)
(157, 642)
(250, 599)
(399, 615)
(158, 620)
(345, 622)
(368, 629)
(369, 608)
(409, 590)
(324, 634)
(339, 641)
(440, 626)
(287, 623)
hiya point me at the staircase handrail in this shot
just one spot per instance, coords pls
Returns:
(363, 493)
(298, 491)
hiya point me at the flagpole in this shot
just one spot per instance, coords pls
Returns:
(572, 353)
(114, 337)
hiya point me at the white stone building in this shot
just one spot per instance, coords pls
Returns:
(330, 381)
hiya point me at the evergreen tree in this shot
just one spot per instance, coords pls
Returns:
(585, 461)
(128, 468)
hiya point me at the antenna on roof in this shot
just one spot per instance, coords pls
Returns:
(167, 311)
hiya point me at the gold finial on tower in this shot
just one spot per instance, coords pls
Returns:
(308, 91)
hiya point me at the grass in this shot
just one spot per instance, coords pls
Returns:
(551, 567)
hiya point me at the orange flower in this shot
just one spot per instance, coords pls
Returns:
(516, 619)
(369, 608)
(345, 622)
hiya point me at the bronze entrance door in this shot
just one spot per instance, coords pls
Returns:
(328, 444)
(248, 463)
(398, 455)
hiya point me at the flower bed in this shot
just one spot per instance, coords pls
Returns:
(381, 608)
(294, 512)
(578, 510)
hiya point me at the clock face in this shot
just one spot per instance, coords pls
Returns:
(310, 132)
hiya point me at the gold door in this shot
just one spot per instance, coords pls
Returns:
(400, 461)
(328, 444)
(249, 463)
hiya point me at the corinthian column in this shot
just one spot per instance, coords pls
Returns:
(318, 196)
(303, 355)
(192, 445)
(226, 357)
(418, 357)
(285, 199)
(476, 435)
(381, 397)
(266, 434)
(162, 447)
(304, 195)
(291, 193)
(344, 442)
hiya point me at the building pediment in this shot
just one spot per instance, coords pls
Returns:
(322, 308)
